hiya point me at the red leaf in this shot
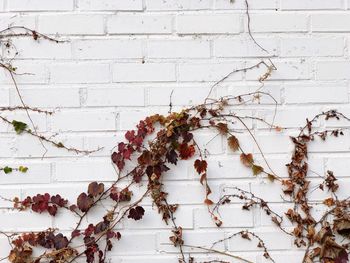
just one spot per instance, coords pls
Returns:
(75, 233)
(52, 210)
(84, 202)
(200, 166)
(136, 213)
(186, 151)
(208, 202)
(130, 135)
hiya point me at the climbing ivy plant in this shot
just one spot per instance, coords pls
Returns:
(151, 151)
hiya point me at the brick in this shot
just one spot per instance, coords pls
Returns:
(210, 143)
(6, 150)
(273, 142)
(208, 24)
(311, 4)
(130, 118)
(287, 118)
(29, 147)
(138, 72)
(285, 256)
(67, 24)
(262, 4)
(315, 94)
(27, 73)
(39, 120)
(6, 247)
(231, 216)
(180, 96)
(4, 97)
(179, 49)
(105, 141)
(338, 166)
(83, 121)
(208, 72)
(110, 5)
(330, 22)
(245, 47)
(79, 73)
(115, 97)
(168, 5)
(332, 144)
(271, 88)
(8, 192)
(50, 97)
(30, 49)
(279, 22)
(84, 171)
(34, 221)
(332, 70)
(312, 47)
(199, 238)
(152, 220)
(143, 243)
(188, 193)
(40, 5)
(139, 24)
(271, 240)
(38, 173)
(286, 70)
(342, 122)
(7, 20)
(107, 49)
(150, 259)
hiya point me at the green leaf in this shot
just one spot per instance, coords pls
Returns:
(7, 170)
(19, 126)
(23, 169)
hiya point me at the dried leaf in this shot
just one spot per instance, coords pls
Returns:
(257, 169)
(247, 159)
(233, 143)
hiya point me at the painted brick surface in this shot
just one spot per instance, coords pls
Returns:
(122, 60)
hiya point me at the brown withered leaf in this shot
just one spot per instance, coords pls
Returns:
(145, 158)
(203, 178)
(331, 250)
(208, 202)
(245, 235)
(222, 127)
(271, 177)
(289, 187)
(329, 201)
(95, 189)
(257, 169)
(233, 143)
(276, 221)
(311, 232)
(342, 226)
(19, 255)
(84, 202)
(247, 159)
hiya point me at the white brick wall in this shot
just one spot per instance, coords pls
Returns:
(121, 61)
